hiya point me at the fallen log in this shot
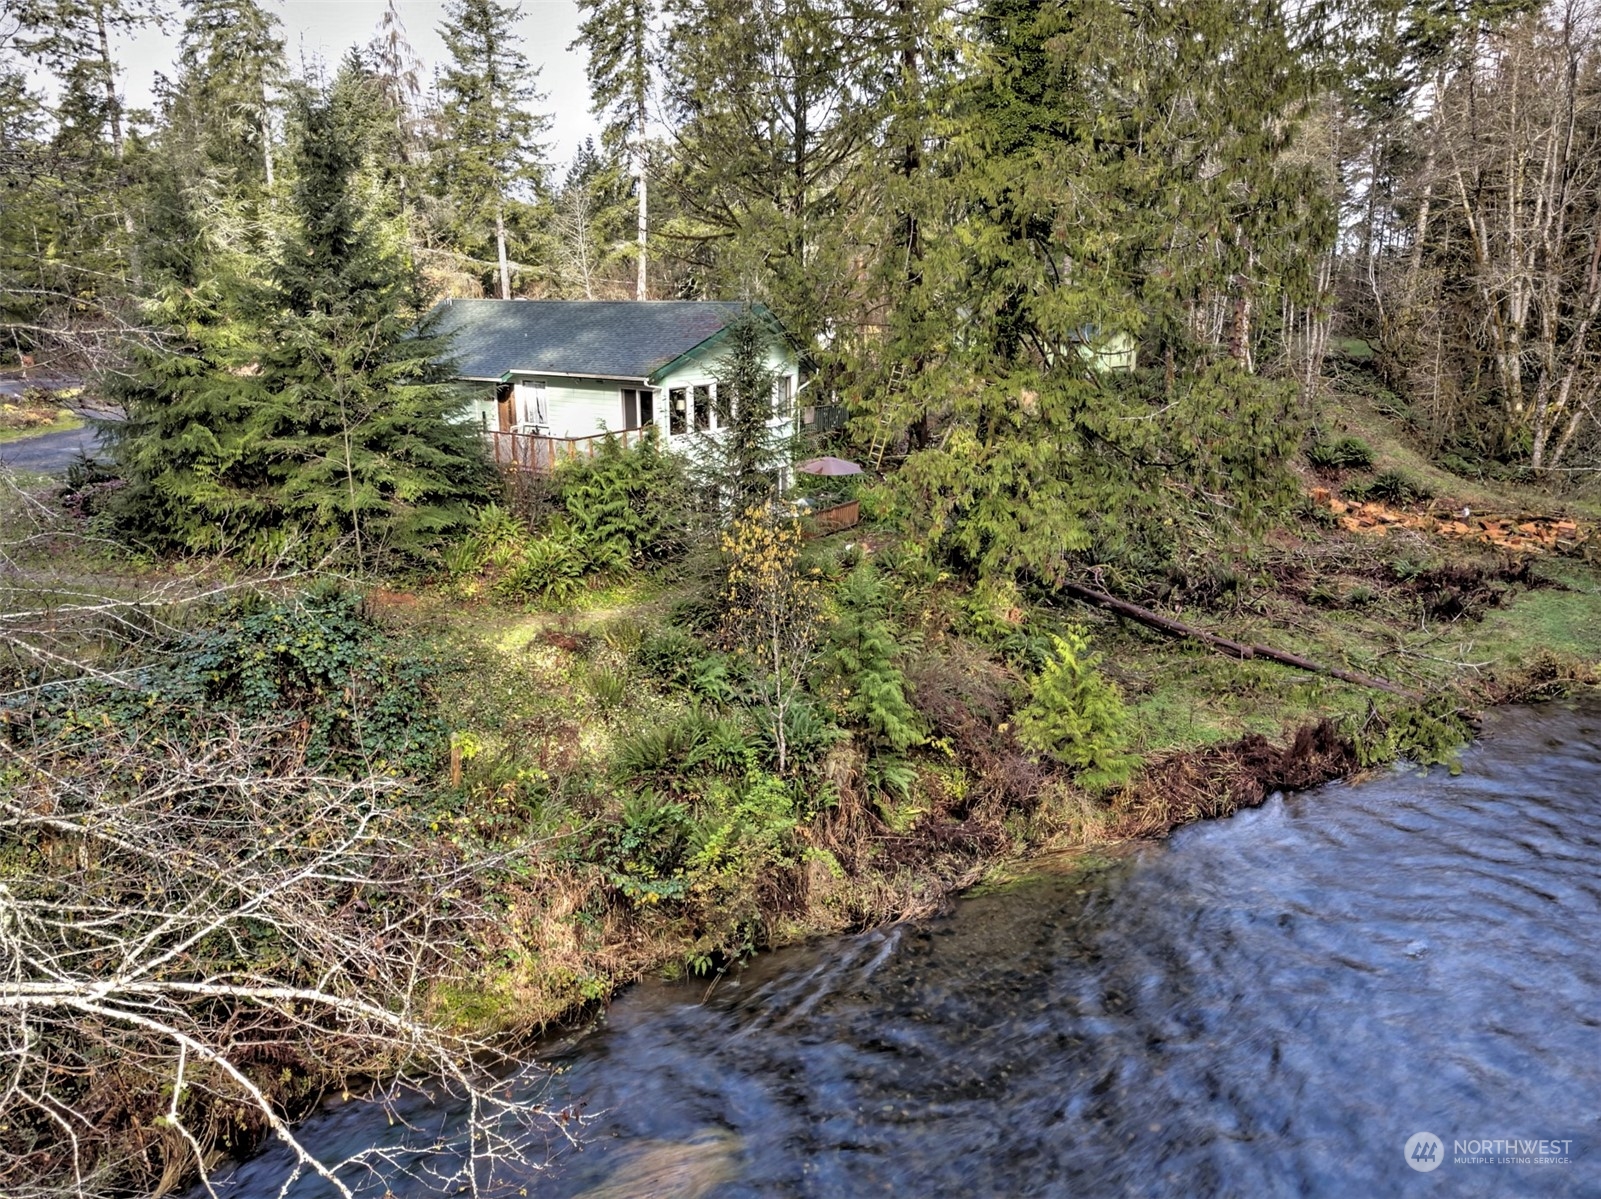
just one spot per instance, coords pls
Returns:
(1237, 649)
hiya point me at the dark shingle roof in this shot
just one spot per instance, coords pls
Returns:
(617, 339)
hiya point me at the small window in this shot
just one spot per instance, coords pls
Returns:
(784, 397)
(677, 411)
(725, 406)
(647, 408)
(630, 408)
(534, 410)
(703, 407)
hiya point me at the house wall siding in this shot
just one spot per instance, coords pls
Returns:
(573, 407)
(586, 407)
(699, 370)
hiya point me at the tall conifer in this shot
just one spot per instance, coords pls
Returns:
(321, 421)
(487, 151)
(619, 36)
(1113, 171)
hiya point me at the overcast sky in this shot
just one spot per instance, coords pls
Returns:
(324, 29)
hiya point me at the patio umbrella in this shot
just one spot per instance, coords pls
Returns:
(828, 466)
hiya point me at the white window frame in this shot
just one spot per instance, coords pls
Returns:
(533, 405)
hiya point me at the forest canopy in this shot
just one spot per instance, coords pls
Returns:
(945, 201)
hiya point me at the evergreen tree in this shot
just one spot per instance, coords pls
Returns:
(739, 462)
(323, 422)
(25, 212)
(778, 105)
(619, 35)
(222, 106)
(1113, 170)
(366, 443)
(190, 451)
(63, 261)
(588, 227)
(73, 40)
(210, 173)
(487, 149)
(1077, 717)
(860, 658)
(397, 74)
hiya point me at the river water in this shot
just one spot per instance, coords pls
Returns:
(1271, 1004)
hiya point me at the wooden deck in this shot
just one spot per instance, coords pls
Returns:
(539, 455)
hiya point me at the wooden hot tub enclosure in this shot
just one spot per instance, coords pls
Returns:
(831, 520)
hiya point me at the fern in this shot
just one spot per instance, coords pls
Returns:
(722, 747)
(626, 505)
(551, 569)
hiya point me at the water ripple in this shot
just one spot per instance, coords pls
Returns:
(1266, 1005)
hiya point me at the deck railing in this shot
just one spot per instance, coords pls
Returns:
(539, 454)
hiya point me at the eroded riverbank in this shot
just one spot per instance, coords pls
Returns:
(1268, 1004)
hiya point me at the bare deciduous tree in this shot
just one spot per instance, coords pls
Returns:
(198, 929)
(1491, 277)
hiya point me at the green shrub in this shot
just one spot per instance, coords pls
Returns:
(669, 655)
(677, 659)
(749, 831)
(464, 557)
(1077, 717)
(361, 699)
(1324, 594)
(807, 733)
(860, 659)
(721, 746)
(336, 689)
(889, 775)
(712, 678)
(627, 505)
(497, 527)
(1405, 569)
(644, 852)
(700, 612)
(663, 751)
(550, 569)
(1347, 452)
(608, 687)
(1431, 733)
(1466, 468)
(652, 753)
(1391, 487)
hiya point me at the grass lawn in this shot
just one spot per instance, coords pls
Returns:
(65, 421)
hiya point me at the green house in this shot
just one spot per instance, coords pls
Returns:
(1115, 351)
(554, 377)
